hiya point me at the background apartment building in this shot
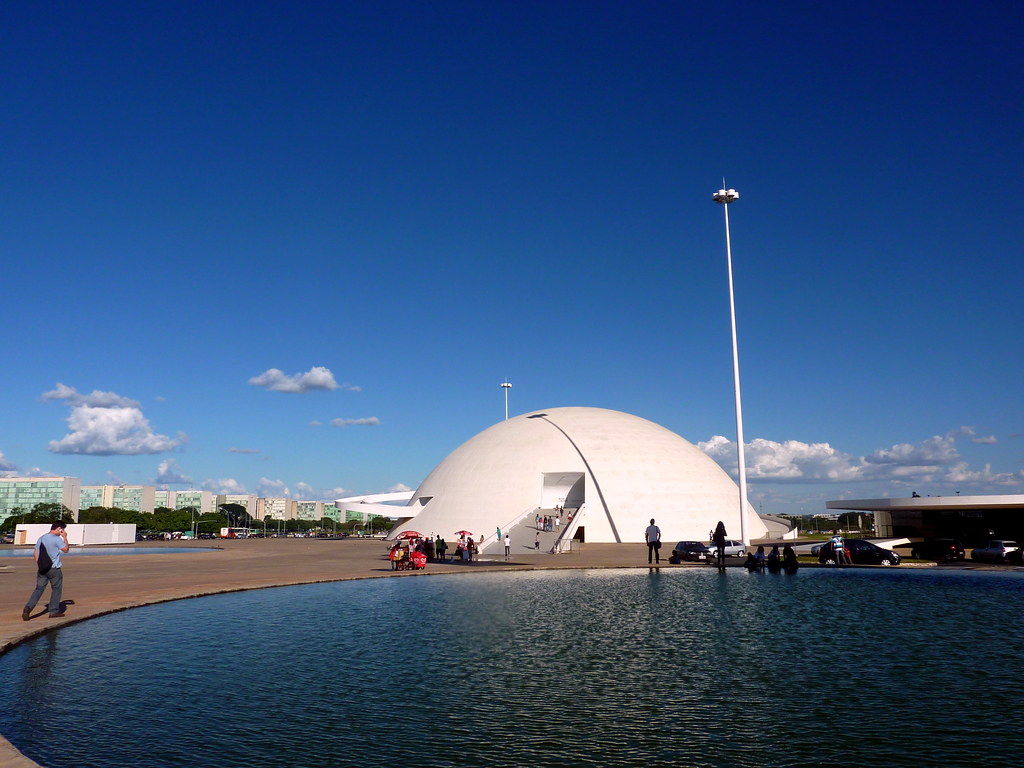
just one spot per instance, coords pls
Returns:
(21, 494)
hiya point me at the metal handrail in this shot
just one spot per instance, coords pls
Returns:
(570, 526)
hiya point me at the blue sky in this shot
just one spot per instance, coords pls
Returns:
(296, 247)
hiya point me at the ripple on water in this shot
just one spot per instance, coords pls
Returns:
(577, 668)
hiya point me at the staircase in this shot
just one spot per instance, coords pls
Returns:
(523, 535)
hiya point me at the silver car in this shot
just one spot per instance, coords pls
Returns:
(995, 552)
(733, 548)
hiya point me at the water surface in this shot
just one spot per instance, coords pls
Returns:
(571, 668)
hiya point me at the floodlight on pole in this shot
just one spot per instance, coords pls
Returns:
(724, 197)
(506, 385)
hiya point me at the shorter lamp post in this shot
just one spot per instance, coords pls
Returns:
(506, 385)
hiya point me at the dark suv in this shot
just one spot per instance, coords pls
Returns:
(939, 550)
(861, 553)
(691, 550)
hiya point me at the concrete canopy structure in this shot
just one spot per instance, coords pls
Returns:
(971, 519)
(619, 470)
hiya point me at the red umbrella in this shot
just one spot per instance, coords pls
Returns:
(409, 535)
(463, 533)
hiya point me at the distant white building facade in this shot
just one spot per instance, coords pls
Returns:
(137, 498)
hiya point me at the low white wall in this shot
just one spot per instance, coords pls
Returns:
(80, 534)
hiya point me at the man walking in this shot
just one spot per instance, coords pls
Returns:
(47, 554)
(508, 545)
(653, 538)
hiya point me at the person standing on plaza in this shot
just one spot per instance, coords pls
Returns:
(508, 544)
(838, 548)
(719, 537)
(47, 554)
(653, 538)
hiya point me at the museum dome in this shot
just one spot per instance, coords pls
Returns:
(619, 470)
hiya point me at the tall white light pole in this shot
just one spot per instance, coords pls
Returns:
(506, 386)
(724, 197)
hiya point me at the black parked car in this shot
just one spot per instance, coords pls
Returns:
(939, 550)
(862, 552)
(693, 551)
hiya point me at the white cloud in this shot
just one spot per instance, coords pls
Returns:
(242, 450)
(112, 431)
(371, 421)
(399, 487)
(330, 494)
(971, 433)
(272, 488)
(307, 492)
(106, 424)
(960, 473)
(935, 460)
(929, 454)
(791, 460)
(168, 473)
(96, 398)
(276, 380)
(225, 485)
(12, 470)
(7, 467)
(315, 423)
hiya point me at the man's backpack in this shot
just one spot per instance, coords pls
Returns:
(44, 561)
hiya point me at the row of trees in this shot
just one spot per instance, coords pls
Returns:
(166, 520)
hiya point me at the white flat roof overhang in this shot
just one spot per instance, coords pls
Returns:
(919, 503)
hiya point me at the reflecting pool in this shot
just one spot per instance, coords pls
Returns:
(593, 668)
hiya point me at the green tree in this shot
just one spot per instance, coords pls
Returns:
(236, 515)
(44, 512)
(166, 520)
(211, 522)
(142, 520)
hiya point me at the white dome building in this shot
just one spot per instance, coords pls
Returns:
(618, 470)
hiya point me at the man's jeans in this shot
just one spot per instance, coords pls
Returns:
(55, 578)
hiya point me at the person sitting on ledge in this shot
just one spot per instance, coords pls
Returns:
(760, 557)
(789, 561)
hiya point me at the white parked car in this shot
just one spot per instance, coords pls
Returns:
(733, 548)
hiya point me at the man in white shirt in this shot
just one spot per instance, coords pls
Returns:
(839, 548)
(653, 538)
